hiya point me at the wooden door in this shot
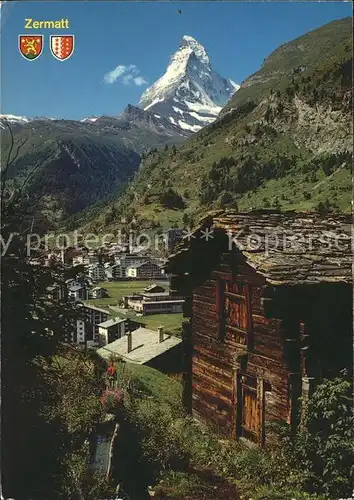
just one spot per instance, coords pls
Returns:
(248, 408)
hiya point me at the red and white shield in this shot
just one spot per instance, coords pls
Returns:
(62, 46)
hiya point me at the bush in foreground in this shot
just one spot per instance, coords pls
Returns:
(316, 465)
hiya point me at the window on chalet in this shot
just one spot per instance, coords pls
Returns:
(234, 310)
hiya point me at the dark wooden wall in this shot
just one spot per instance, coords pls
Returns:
(297, 335)
(213, 363)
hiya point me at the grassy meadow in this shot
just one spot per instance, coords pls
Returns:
(117, 289)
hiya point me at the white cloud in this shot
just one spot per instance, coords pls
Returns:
(127, 79)
(118, 71)
(128, 74)
(139, 80)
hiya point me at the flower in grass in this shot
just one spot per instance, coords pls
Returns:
(112, 400)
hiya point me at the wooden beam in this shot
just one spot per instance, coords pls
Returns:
(220, 301)
(261, 410)
(250, 335)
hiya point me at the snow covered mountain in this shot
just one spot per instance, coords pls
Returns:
(91, 119)
(16, 121)
(190, 94)
(133, 115)
(13, 120)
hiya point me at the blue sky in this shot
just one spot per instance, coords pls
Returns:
(237, 36)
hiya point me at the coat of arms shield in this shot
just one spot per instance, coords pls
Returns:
(62, 46)
(30, 46)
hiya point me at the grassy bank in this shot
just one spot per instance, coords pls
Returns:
(161, 449)
(182, 459)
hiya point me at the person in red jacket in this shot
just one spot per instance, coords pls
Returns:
(111, 374)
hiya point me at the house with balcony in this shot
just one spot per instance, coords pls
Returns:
(145, 270)
(96, 272)
(114, 272)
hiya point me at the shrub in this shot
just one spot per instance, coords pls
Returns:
(155, 428)
(112, 400)
(266, 203)
(171, 199)
(226, 199)
(185, 219)
(325, 446)
(307, 195)
(325, 207)
(276, 203)
(313, 177)
(162, 443)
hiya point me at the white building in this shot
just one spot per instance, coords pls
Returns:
(144, 270)
(154, 300)
(115, 272)
(93, 257)
(98, 292)
(87, 327)
(78, 292)
(80, 260)
(111, 330)
(57, 292)
(159, 306)
(96, 272)
(82, 331)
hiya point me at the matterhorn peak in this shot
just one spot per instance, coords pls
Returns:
(189, 39)
(193, 45)
(190, 94)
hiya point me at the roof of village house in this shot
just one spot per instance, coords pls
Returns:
(95, 308)
(172, 300)
(145, 346)
(75, 288)
(136, 265)
(284, 247)
(112, 322)
(152, 287)
(152, 295)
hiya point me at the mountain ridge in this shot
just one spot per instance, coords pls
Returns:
(287, 146)
(291, 58)
(65, 155)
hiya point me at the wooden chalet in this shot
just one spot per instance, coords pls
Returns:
(270, 314)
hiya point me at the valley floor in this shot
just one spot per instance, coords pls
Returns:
(117, 289)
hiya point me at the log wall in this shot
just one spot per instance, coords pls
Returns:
(214, 394)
